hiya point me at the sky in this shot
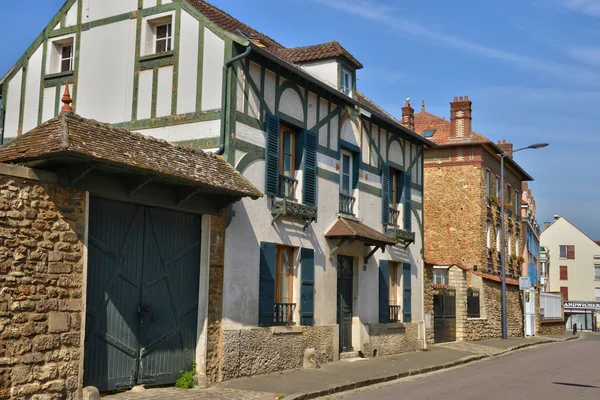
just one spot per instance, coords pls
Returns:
(531, 69)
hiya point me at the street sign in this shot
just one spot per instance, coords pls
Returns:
(524, 283)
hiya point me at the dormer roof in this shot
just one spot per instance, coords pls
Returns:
(318, 52)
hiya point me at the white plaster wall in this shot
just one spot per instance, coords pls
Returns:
(144, 110)
(95, 9)
(383, 145)
(13, 101)
(335, 130)
(251, 135)
(350, 132)
(71, 19)
(177, 133)
(581, 273)
(375, 135)
(323, 112)
(212, 77)
(270, 89)
(240, 82)
(312, 110)
(164, 94)
(396, 155)
(188, 64)
(32, 90)
(326, 71)
(253, 99)
(290, 103)
(149, 3)
(105, 90)
(49, 103)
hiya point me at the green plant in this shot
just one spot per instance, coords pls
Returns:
(186, 378)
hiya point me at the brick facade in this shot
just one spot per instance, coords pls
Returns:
(42, 228)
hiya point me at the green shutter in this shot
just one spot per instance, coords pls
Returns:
(385, 194)
(407, 202)
(406, 303)
(356, 158)
(272, 155)
(266, 295)
(309, 186)
(307, 291)
(384, 297)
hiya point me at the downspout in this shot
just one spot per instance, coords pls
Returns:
(224, 97)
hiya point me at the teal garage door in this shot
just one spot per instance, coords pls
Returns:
(142, 294)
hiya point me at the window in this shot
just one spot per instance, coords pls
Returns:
(287, 183)
(346, 193)
(473, 304)
(62, 56)
(394, 274)
(487, 184)
(597, 294)
(347, 84)
(597, 274)
(509, 241)
(440, 276)
(164, 38)
(489, 234)
(394, 197)
(565, 292)
(284, 307)
(66, 63)
(517, 245)
(498, 239)
(158, 34)
(516, 204)
(563, 252)
(567, 252)
(564, 273)
(497, 186)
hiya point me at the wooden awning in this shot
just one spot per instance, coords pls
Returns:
(348, 230)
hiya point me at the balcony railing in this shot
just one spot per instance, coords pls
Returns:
(284, 313)
(347, 204)
(287, 187)
(394, 217)
(395, 313)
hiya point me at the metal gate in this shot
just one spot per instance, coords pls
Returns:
(444, 315)
(142, 294)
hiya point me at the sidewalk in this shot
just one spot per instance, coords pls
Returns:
(348, 374)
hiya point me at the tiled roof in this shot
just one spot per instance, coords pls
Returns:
(317, 52)
(70, 134)
(425, 121)
(349, 228)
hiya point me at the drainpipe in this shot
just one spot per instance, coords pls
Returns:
(224, 96)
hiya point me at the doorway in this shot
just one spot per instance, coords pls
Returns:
(345, 297)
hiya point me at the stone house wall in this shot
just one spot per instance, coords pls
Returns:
(388, 339)
(42, 227)
(428, 302)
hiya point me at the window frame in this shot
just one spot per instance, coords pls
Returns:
(70, 59)
(498, 238)
(347, 90)
(489, 234)
(597, 272)
(350, 172)
(488, 186)
(150, 35)
(564, 290)
(498, 187)
(597, 292)
(445, 276)
(560, 252)
(168, 39)
(394, 284)
(55, 59)
(279, 274)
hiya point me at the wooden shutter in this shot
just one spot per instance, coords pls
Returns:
(272, 156)
(266, 295)
(310, 169)
(564, 273)
(307, 290)
(565, 293)
(406, 300)
(407, 201)
(385, 194)
(570, 252)
(384, 297)
(356, 158)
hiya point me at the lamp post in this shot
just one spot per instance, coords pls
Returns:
(503, 253)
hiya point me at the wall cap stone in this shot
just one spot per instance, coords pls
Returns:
(286, 330)
(18, 171)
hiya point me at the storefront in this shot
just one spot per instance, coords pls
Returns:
(584, 314)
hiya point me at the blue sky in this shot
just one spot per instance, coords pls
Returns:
(531, 68)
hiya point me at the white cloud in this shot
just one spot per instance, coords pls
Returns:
(589, 55)
(371, 10)
(589, 7)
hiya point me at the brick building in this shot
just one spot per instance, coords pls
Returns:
(462, 211)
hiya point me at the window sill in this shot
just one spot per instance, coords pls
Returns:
(286, 330)
(476, 319)
(157, 56)
(58, 75)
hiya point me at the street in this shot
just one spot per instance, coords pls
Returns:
(556, 371)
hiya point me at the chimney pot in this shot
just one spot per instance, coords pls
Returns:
(466, 98)
(455, 99)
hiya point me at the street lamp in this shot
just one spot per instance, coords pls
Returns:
(502, 155)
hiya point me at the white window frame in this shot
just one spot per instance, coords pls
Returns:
(489, 234)
(597, 272)
(560, 256)
(498, 188)
(517, 245)
(55, 59)
(445, 275)
(151, 23)
(498, 238)
(510, 240)
(347, 90)
(350, 177)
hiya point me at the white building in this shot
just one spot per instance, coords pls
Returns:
(332, 257)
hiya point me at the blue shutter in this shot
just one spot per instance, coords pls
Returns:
(272, 156)
(356, 158)
(307, 291)
(406, 300)
(407, 201)
(384, 297)
(266, 295)
(385, 194)
(310, 169)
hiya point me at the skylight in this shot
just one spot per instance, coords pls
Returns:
(428, 133)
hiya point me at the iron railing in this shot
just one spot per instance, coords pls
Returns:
(394, 217)
(287, 187)
(347, 204)
(284, 313)
(395, 313)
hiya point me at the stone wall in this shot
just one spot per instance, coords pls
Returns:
(390, 339)
(256, 351)
(553, 327)
(428, 299)
(42, 229)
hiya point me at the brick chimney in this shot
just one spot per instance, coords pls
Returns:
(506, 147)
(408, 116)
(460, 117)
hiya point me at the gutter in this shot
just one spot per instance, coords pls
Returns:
(224, 96)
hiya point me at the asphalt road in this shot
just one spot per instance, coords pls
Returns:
(569, 370)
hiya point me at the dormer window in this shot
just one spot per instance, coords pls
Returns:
(158, 34)
(347, 82)
(66, 63)
(62, 56)
(164, 38)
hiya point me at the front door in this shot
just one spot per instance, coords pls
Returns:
(142, 294)
(345, 289)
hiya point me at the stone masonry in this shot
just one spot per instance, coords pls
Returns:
(389, 339)
(41, 278)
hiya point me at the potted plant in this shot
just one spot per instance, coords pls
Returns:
(506, 206)
(521, 259)
(491, 251)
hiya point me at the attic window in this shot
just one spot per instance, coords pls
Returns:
(158, 35)
(164, 38)
(347, 82)
(62, 56)
(428, 133)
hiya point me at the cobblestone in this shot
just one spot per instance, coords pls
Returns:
(195, 394)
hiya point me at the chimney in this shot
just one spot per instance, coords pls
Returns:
(547, 225)
(408, 116)
(506, 147)
(460, 117)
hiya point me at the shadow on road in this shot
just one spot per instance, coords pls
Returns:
(576, 384)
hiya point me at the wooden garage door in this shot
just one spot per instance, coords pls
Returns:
(142, 294)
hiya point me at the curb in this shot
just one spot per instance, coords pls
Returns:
(373, 381)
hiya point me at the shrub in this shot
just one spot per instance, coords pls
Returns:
(186, 378)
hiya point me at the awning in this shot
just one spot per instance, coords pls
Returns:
(348, 230)
(128, 166)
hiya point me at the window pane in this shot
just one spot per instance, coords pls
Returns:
(161, 46)
(161, 31)
(284, 276)
(346, 184)
(287, 165)
(65, 65)
(563, 251)
(67, 51)
(287, 142)
(346, 164)
(597, 277)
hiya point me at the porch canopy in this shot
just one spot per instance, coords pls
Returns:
(348, 230)
(121, 165)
